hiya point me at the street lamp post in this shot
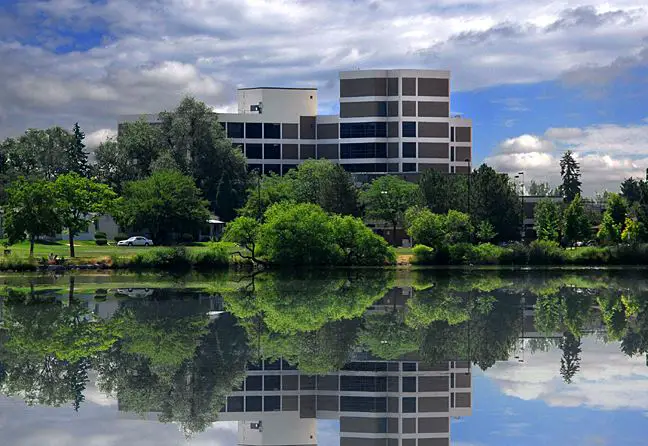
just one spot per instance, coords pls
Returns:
(467, 160)
(521, 174)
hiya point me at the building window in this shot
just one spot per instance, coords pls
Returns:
(253, 404)
(271, 131)
(253, 130)
(253, 383)
(382, 109)
(409, 405)
(409, 384)
(363, 130)
(452, 381)
(452, 153)
(366, 366)
(363, 383)
(272, 403)
(409, 129)
(272, 168)
(409, 150)
(253, 151)
(272, 151)
(363, 404)
(235, 130)
(272, 382)
(409, 367)
(252, 168)
(363, 150)
(409, 167)
(452, 134)
(235, 404)
(284, 170)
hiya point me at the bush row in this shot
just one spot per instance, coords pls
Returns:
(538, 252)
(176, 258)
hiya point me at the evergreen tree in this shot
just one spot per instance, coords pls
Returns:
(570, 361)
(570, 173)
(77, 157)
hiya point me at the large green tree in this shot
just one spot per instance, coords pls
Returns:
(79, 201)
(547, 216)
(202, 150)
(443, 192)
(614, 218)
(77, 157)
(493, 199)
(30, 211)
(166, 203)
(387, 198)
(576, 225)
(570, 173)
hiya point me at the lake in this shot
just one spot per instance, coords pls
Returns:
(349, 358)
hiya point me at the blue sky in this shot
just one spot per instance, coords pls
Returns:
(537, 78)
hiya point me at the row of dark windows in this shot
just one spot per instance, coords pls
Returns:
(282, 169)
(267, 169)
(253, 130)
(266, 151)
(363, 150)
(347, 404)
(374, 130)
(254, 404)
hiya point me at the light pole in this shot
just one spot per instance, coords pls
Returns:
(521, 174)
(467, 160)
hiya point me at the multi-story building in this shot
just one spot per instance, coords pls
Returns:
(390, 121)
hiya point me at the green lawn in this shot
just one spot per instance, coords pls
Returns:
(83, 249)
(400, 251)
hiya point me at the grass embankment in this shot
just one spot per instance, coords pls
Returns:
(537, 253)
(198, 256)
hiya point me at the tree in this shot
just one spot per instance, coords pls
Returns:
(244, 231)
(325, 183)
(38, 153)
(613, 219)
(79, 201)
(201, 149)
(77, 157)
(458, 227)
(298, 234)
(631, 190)
(570, 173)
(165, 203)
(443, 192)
(30, 209)
(632, 231)
(570, 361)
(547, 220)
(485, 232)
(265, 191)
(426, 227)
(576, 225)
(359, 244)
(493, 198)
(387, 198)
(541, 189)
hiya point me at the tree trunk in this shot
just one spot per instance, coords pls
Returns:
(71, 291)
(31, 245)
(71, 238)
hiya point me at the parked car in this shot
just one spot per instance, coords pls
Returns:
(136, 241)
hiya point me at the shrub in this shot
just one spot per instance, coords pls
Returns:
(214, 256)
(460, 253)
(101, 241)
(589, 255)
(545, 252)
(162, 258)
(100, 235)
(119, 237)
(17, 263)
(187, 238)
(488, 254)
(514, 254)
(423, 255)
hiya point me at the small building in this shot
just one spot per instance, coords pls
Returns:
(102, 223)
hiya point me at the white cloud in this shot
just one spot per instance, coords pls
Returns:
(151, 53)
(95, 138)
(608, 379)
(607, 154)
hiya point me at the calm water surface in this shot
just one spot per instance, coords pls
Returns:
(336, 358)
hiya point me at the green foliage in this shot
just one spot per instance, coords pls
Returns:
(175, 258)
(101, 242)
(121, 236)
(570, 173)
(485, 231)
(214, 256)
(588, 255)
(545, 252)
(100, 235)
(443, 192)
(165, 203)
(423, 310)
(77, 157)
(423, 255)
(388, 197)
(31, 209)
(493, 198)
(547, 215)
(78, 201)
(387, 336)
(17, 263)
(515, 254)
(576, 225)
(613, 220)
(487, 254)
(426, 227)
(458, 227)
(358, 244)
(632, 231)
(264, 191)
(297, 234)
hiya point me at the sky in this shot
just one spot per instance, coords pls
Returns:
(536, 77)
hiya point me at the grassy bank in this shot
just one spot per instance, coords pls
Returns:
(198, 256)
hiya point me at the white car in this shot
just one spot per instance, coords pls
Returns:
(136, 241)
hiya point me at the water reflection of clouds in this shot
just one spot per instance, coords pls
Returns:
(608, 379)
(98, 423)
